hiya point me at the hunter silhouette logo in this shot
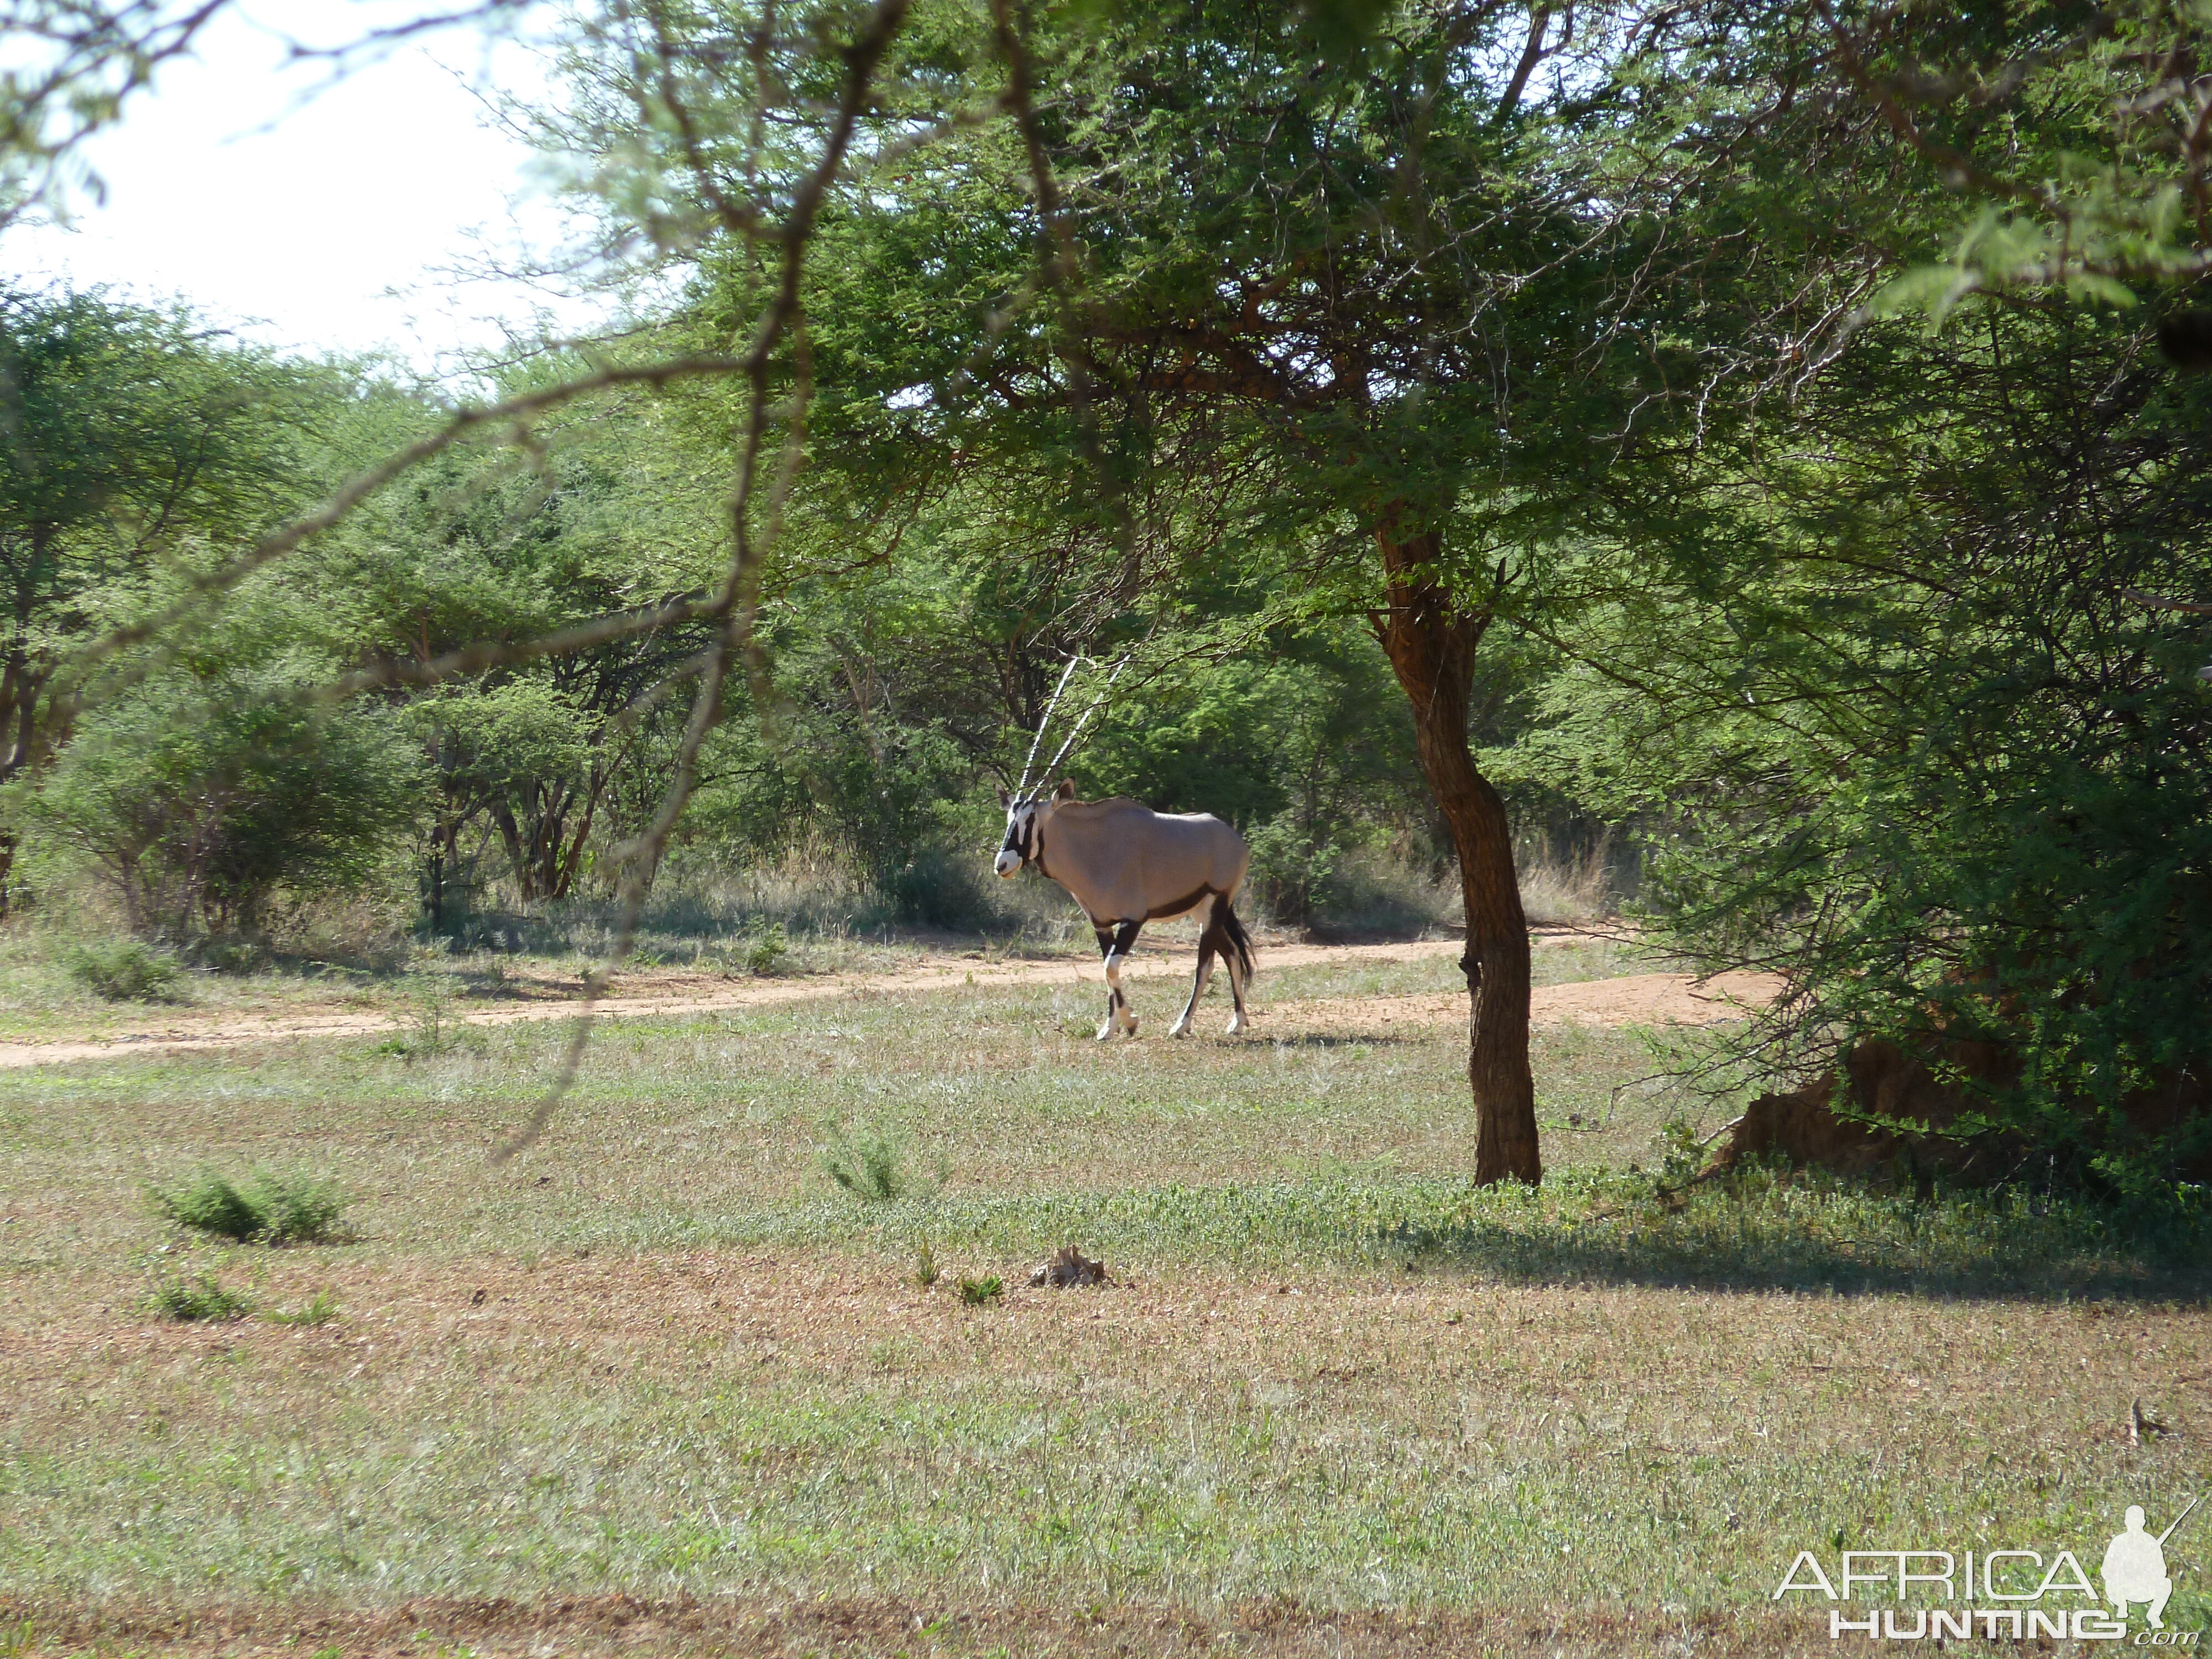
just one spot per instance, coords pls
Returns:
(2135, 1566)
(2001, 1593)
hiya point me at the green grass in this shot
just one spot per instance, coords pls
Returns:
(722, 1115)
(666, 1353)
(318, 1309)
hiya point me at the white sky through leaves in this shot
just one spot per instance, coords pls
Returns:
(316, 220)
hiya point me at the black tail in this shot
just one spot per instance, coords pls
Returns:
(1233, 936)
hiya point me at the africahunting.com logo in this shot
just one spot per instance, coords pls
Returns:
(2000, 1594)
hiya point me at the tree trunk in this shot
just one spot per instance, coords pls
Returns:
(1431, 643)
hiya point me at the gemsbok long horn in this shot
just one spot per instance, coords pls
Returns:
(1096, 703)
(1023, 788)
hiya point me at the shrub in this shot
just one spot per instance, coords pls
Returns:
(939, 887)
(202, 1296)
(275, 1207)
(436, 1027)
(870, 1165)
(978, 1293)
(1293, 868)
(210, 1204)
(764, 953)
(124, 971)
(925, 1266)
(232, 956)
(193, 802)
(299, 1208)
(319, 1309)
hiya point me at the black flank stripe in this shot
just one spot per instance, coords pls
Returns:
(1179, 906)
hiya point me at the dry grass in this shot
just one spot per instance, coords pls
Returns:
(952, 1628)
(660, 1385)
(1559, 891)
(773, 1424)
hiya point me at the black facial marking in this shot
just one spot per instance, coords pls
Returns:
(1021, 831)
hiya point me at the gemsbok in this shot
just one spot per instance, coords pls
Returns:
(1127, 865)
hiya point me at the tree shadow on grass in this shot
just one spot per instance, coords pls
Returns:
(1835, 1239)
(1803, 1233)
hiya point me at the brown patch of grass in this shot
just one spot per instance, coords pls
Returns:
(509, 1412)
(944, 1629)
(758, 1424)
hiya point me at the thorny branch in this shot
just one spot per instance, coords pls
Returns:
(736, 605)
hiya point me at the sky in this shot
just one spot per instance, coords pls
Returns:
(322, 225)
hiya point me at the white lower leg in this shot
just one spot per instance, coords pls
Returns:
(1236, 994)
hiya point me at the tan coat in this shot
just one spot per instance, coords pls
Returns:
(1122, 862)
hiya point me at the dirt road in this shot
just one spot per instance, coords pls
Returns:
(1636, 1000)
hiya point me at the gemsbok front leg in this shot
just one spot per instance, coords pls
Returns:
(1116, 943)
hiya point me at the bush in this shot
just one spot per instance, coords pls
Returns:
(299, 1208)
(764, 954)
(202, 1296)
(290, 1207)
(436, 1026)
(232, 956)
(870, 1165)
(124, 971)
(978, 1292)
(193, 802)
(210, 1204)
(941, 887)
(1293, 869)
(319, 1309)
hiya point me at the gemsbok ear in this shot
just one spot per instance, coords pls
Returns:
(1066, 791)
(1005, 799)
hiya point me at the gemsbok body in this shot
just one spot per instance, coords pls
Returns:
(1127, 865)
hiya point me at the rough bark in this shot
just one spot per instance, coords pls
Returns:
(1432, 643)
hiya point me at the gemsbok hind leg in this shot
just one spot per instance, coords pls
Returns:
(1209, 941)
(1117, 945)
(1236, 952)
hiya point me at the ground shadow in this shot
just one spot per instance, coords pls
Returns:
(2038, 1265)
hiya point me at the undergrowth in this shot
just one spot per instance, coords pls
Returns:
(868, 1164)
(274, 1207)
(202, 1297)
(124, 971)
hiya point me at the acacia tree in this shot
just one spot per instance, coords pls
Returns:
(1366, 298)
(1422, 293)
(131, 439)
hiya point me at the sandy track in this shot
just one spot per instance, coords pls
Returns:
(1638, 1000)
(1634, 999)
